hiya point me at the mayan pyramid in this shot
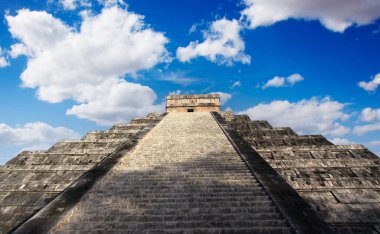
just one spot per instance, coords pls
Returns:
(193, 169)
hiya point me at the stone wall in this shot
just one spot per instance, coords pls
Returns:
(193, 103)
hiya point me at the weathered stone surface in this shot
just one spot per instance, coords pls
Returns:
(31, 180)
(341, 182)
(184, 176)
(193, 103)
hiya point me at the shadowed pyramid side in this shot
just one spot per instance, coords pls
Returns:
(30, 181)
(342, 183)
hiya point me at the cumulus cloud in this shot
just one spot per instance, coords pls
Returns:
(316, 116)
(236, 84)
(368, 114)
(74, 4)
(178, 77)
(278, 81)
(3, 61)
(35, 135)
(335, 15)
(88, 65)
(112, 3)
(115, 100)
(363, 129)
(275, 82)
(193, 28)
(374, 143)
(294, 78)
(342, 141)
(176, 92)
(370, 85)
(20, 49)
(222, 44)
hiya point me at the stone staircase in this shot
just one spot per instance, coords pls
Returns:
(183, 177)
(32, 180)
(342, 183)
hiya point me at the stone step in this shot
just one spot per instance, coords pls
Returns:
(205, 204)
(210, 224)
(147, 226)
(190, 174)
(221, 191)
(56, 160)
(99, 136)
(192, 217)
(127, 127)
(168, 195)
(189, 184)
(188, 178)
(133, 209)
(79, 146)
(235, 230)
(202, 199)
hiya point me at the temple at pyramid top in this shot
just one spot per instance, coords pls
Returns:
(193, 103)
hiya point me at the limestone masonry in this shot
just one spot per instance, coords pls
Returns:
(193, 103)
(201, 172)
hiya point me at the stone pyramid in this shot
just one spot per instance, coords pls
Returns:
(193, 169)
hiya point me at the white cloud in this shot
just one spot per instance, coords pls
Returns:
(294, 78)
(278, 81)
(69, 4)
(374, 143)
(275, 82)
(37, 30)
(342, 141)
(236, 84)
(20, 49)
(368, 114)
(3, 61)
(75, 4)
(176, 92)
(178, 77)
(371, 85)
(112, 3)
(224, 97)
(193, 28)
(223, 44)
(87, 65)
(115, 101)
(35, 135)
(362, 129)
(316, 116)
(335, 15)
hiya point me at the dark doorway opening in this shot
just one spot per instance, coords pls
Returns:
(190, 110)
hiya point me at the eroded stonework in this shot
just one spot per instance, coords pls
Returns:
(341, 182)
(32, 180)
(193, 103)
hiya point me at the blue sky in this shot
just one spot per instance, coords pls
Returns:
(71, 66)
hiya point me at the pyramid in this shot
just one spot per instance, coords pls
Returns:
(193, 169)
